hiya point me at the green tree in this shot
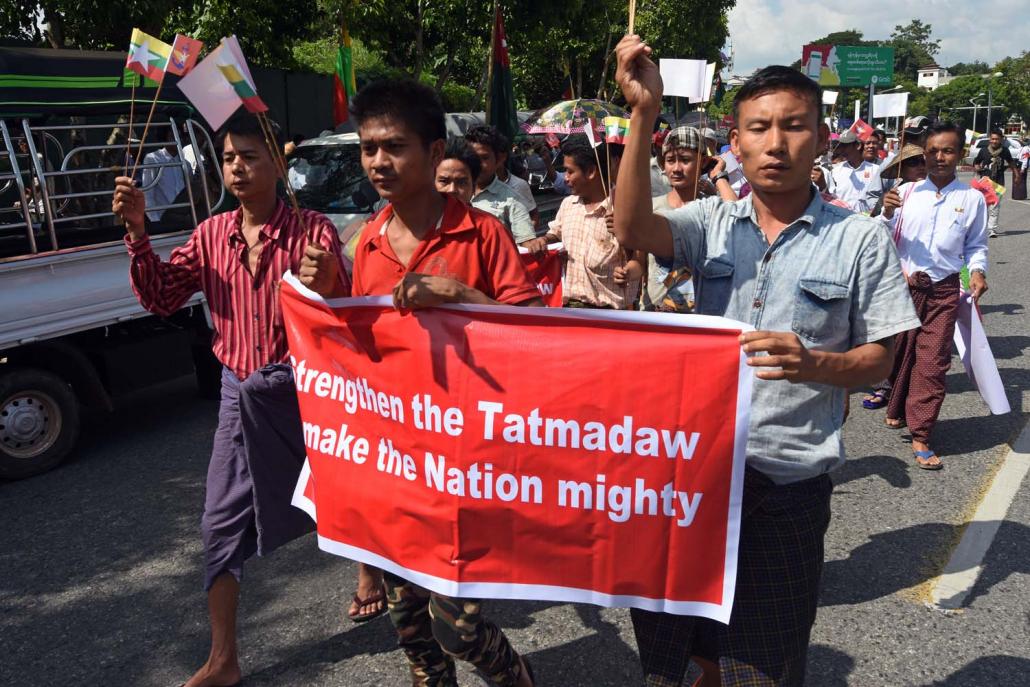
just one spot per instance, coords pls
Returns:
(966, 68)
(913, 46)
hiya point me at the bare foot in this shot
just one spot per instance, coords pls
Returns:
(215, 676)
(894, 423)
(370, 584)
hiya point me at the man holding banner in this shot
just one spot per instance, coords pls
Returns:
(237, 260)
(427, 249)
(824, 290)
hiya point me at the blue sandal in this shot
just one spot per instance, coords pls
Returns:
(923, 460)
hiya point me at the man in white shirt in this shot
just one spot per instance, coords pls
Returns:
(169, 180)
(939, 224)
(493, 195)
(854, 177)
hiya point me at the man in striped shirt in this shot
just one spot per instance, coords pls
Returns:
(237, 259)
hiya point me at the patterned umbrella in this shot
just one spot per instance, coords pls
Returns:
(571, 116)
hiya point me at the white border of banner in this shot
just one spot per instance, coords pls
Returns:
(534, 592)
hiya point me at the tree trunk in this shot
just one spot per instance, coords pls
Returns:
(419, 47)
(445, 73)
(55, 27)
(604, 68)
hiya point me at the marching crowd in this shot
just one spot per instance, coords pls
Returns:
(846, 265)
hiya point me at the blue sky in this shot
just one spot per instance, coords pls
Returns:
(770, 32)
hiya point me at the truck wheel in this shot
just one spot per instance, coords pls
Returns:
(39, 422)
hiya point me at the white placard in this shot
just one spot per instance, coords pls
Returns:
(684, 78)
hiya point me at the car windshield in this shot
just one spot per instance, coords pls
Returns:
(326, 176)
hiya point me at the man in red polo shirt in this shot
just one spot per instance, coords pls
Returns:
(428, 249)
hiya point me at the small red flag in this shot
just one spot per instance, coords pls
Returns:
(185, 52)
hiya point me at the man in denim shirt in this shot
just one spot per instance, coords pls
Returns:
(825, 293)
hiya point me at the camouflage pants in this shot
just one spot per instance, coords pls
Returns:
(433, 630)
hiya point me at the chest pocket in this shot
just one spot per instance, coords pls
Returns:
(715, 286)
(821, 309)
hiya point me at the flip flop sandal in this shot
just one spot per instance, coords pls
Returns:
(887, 421)
(374, 599)
(878, 400)
(923, 457)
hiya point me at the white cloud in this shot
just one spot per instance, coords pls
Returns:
(767, 32)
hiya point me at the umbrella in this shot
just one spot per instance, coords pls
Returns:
(570, 116)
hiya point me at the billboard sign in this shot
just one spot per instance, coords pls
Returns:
(848, 65)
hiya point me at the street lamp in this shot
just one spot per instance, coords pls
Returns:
(976, 108)
(990, 98)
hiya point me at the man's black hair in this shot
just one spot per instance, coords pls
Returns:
(779, 78)
(247, 124)
(406, 100)
(489, 136)
(578, 148)
(998, 131)
(944, 127)
(459, 149)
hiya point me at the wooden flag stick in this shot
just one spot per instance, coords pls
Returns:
(146, 128)
(128, 132)
(632, 15)
(280, 163)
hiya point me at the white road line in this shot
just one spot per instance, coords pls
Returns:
(954, 584)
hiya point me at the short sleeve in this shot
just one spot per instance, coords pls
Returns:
(554, 227)
(521, 223)
(881, 303)
(687, 225)
(503, 268)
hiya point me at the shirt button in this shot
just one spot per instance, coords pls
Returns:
(757, 303)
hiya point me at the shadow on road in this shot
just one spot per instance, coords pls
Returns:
(893, 470)
(900, 559)
(989, 670)
(828, 667)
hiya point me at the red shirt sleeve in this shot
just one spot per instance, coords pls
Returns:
(502, 266)
(164, 287)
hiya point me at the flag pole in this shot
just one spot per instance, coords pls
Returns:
(632, 15)
(128, 132)
(280, 164)
(146, 127)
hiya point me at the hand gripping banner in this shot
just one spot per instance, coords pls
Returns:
(525, 453)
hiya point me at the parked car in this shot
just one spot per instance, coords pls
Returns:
(981, 142)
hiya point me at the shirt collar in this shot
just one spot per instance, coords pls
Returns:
(270, 231)
(599, 210)
(745, 208)
(457, 218)
(496, 188)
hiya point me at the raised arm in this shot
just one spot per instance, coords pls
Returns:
(636, 225)
(161, 287)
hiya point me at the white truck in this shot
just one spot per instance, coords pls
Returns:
(73, 337)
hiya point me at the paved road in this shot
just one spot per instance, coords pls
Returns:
(100, 563)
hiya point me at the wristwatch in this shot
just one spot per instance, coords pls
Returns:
(720, 175)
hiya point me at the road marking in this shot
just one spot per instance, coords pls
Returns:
(960, 574)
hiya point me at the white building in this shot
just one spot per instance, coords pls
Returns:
(932, 76)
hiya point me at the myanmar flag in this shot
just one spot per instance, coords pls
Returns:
(148, 56)
(244, 89)
(501, 112)
(344, 85)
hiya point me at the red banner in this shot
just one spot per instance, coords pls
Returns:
(525, 453)
(545, 271)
